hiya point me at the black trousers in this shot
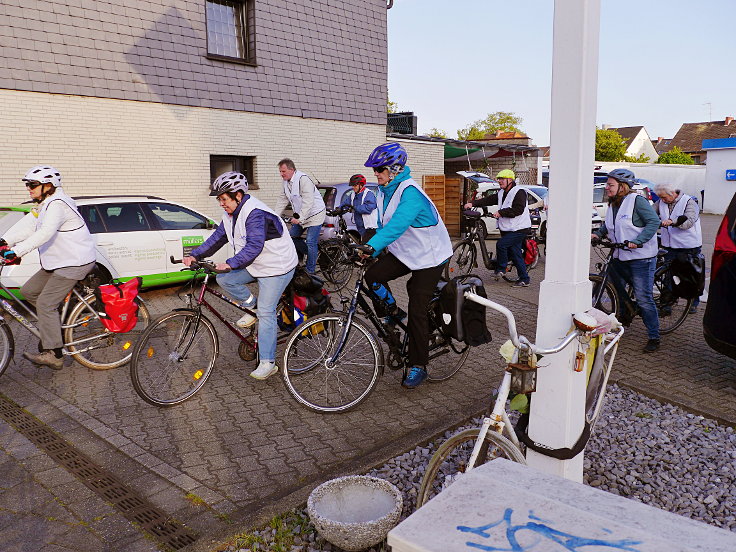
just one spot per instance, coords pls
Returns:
(420, 288)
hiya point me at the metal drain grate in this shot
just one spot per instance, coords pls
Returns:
(134, 507)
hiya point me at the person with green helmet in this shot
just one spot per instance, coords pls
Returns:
(514, 223)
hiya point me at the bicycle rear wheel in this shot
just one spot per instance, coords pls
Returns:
(672, 310)
(446, 357)
(451, 459)
(7, 346)
(462, 261)
(336, 386)
(104, 349)
(174, 358)
(607, 299)
(334, 264)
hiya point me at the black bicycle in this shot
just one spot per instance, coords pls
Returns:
(333, 361)
(465, 253)
(672, 310)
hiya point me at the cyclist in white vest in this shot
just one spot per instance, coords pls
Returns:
(416, 242)
(631, 219)
(261, 251)
(66, 250)
(513, 221)
(681, 231)
(362, 202)
(308, 206)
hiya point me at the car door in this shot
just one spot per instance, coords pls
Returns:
(181, 230)
(125, 238)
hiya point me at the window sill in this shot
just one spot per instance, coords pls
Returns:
(239, 61)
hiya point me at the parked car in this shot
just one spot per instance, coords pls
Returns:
(719, 319)
(334, 195)
(487, 186)
(134, 236)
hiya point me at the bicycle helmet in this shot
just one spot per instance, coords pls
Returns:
(623, 175)
(44, 174)
(229, 182)
(387, 155)
(506, 173)
(357, 179)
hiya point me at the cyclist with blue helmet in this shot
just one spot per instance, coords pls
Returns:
(415, 241)
(631, 219)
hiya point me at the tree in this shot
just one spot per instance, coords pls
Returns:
(641, 158)
(503, 121)
(437, 133)
(609, 145)
(675, 156)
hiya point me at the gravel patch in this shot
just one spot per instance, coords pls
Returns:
(641, 449)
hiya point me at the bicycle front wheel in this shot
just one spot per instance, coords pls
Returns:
(604, 298)
(173, 358)
(93, 345)
(462, 261)
(452, 457)
(7, 346)
(331, 386)
(334, 264)
(672, 310)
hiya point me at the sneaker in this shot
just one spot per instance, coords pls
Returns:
(521, 284)
(651, 346)
(693, 309)
(266, 369)
(414, 378)
(497, 275)
(246, 321)
(46, 358)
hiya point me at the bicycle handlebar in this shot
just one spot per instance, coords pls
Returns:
(613, 245)
(207, 266)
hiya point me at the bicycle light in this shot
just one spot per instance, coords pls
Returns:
(523, 374)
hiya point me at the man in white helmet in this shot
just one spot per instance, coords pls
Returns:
(261, 251)
(66, 250)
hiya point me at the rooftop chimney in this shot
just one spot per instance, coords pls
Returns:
(728, 121)
(660, 139)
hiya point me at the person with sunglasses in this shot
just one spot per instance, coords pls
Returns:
(362, 202)
(66, 250)
(416, 242)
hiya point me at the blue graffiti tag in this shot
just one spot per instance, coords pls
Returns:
(542, 531)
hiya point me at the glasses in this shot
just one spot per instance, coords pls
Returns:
(379, 169)
(32, 185)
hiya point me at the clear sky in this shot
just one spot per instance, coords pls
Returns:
(661, 62)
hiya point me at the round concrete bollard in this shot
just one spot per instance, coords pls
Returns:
(355, 512)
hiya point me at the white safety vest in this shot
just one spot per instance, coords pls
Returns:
(676, 237)
(513, 224)
(291, 191)
(278, 256)
(371, 219)
(417, 248)
(72, 244)
(622, 229)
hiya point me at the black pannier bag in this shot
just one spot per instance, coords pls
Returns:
(461, 318)
(688, 275)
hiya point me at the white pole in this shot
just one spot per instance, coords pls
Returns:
(557, 412)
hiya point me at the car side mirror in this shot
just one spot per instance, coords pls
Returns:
(211, 224)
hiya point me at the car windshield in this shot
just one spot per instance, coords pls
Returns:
(541, 191)
(598, 194)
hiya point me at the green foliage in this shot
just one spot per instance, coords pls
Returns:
(284, 528)
(437, 133)
(195, 499)
(503, 121)
(521, 403)
(675, 157)
(391, 107)
(637, 159)
(609, 145)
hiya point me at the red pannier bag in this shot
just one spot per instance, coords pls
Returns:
(117, 306)
(532, 250)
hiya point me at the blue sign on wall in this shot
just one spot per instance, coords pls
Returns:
(730, 174)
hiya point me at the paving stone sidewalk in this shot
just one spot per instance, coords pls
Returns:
(242, 450)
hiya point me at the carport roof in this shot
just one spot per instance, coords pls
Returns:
(461, 148)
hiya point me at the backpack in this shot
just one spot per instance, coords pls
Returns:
(688, 275)
(116, 305)
(460, 318)
(531, 251)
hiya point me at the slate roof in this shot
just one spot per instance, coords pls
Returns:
(691, 135)
(628, 133)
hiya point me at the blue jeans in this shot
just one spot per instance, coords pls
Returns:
(670, 256)
(313, 232)
(511, 246)
(269, 292)
(639, 273)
